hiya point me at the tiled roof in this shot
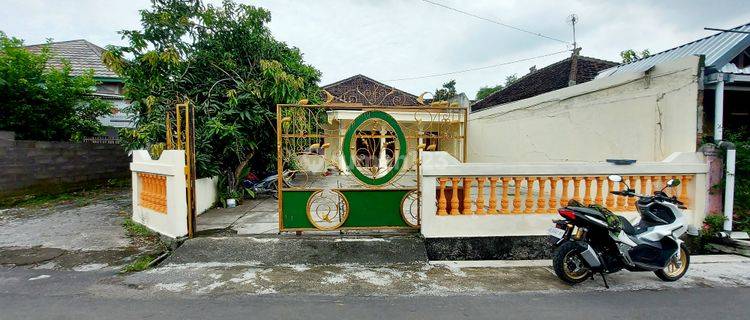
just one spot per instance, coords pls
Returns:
(550, 78)
(365, 90)
(81, 54)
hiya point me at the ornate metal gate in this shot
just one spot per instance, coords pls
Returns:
(350, 166)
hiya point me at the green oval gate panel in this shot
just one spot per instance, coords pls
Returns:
(348, 155)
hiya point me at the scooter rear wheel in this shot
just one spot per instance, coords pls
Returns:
(676, 268)
(569, 265)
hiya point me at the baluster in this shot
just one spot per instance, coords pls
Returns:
(599, 186)
(454, 196)
(577, 188)
(163, 192)
(467, 195)
(504, 197)
(610, 197)
(529, 194)
(684, 190)
(655, 184)
(643, 179)
(517, 194)
(480, 195)
(541, 201)
(621, 199)
(587, 190)
(141, 198)
(553, 195)
(442, 203)
(564, 197)
(631, 200)
(493, 196)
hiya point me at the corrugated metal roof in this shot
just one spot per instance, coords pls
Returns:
(718, 50)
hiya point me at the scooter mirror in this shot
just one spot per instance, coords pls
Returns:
(673, 182)
(615, 178)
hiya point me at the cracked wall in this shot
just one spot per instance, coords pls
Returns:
(644, 116)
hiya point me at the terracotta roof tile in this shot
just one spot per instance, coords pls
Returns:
(367, 91)
(550, 78)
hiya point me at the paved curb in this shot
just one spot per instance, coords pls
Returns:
(701, 259)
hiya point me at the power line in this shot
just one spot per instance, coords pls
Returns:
(496, 22)
(479, 68)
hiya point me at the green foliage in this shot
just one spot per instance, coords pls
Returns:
(631, 55)
(140, 264)
(222, 58)
(712, 224)
(40, 103)
(741, 140)
(448, 91)
(487, 90)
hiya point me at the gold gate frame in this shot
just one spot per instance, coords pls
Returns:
(441, 108)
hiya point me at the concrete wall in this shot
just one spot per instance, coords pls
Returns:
(206, 194)
(173, 222)
(643, 116)
(440, 164)
(53, 166)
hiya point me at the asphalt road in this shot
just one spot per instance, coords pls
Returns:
(84, 296)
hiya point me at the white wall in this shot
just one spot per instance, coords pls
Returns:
(171, 164)
(206, 194)
(643, 116)
(441, 164)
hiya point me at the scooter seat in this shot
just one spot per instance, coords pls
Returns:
(627, 227)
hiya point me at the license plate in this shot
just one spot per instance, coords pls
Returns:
(556, 232)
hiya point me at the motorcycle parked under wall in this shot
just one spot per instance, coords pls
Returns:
(591, 239)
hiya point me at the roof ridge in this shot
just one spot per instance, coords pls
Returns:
(524, 76)
(55, 42)
(370, 79)
(597, 60)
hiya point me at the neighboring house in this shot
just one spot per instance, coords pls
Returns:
(574, 70)
(83, 56)
(422, 123)
(725, 77)
(366, 91)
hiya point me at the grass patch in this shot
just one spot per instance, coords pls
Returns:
(135, 229)
(139, 264)
(79, 197)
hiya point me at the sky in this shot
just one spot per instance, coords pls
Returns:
(394, 39)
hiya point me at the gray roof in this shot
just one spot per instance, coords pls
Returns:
(718, 49)
(81, 54)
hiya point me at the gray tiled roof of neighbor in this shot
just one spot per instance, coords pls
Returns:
(81, 54)
(718, 49)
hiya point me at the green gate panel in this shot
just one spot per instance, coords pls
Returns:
(294, 209)
(374, 208)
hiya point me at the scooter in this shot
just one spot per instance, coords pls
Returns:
(591, 239)
(269, 184)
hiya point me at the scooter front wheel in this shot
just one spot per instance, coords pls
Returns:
(676, 267)
(569, 265)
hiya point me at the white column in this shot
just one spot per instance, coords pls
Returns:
(729, 189)
(719, 108)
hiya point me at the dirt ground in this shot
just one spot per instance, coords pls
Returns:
(81, 231)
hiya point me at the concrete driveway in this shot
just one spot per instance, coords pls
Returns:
(253, 216)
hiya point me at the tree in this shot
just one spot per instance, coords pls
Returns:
(41, 103)
(486, 91)
(224, 60)
(447, 92)
(631, 55)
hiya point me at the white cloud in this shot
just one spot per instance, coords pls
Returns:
(394, 39)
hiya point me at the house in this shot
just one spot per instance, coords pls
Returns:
(374, 143)
(366, 91)
(574, 70)
(725, 78)
(83, 56)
